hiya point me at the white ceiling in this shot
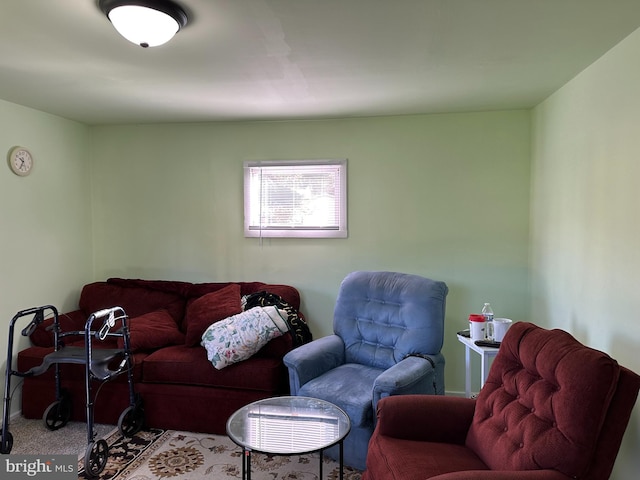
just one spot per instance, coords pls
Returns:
(295, 59)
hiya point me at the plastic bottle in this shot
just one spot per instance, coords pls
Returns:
(487, 312)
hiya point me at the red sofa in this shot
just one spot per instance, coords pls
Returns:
(180, 388)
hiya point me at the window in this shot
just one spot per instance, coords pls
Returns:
(305, 198)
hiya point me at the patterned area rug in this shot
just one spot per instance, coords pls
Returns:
(169, 454)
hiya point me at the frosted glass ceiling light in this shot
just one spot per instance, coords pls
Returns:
(147, 23)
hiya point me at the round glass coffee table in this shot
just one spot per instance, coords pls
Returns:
(288, 426)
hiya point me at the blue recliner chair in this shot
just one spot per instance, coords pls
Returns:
(388, 333)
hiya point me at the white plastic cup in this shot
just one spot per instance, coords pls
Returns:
(476, 326)
(497, 328)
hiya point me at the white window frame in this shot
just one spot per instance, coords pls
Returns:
(255, 223)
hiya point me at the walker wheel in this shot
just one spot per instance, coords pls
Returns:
(96, 458)
(7, 443)
(57, 414)
(131, 421)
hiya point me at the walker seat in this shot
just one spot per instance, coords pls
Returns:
(101, 360)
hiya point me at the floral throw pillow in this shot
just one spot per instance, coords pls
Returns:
(240, 336)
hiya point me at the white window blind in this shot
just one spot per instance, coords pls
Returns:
(305, 198)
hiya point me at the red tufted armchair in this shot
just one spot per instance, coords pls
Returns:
(550, 409)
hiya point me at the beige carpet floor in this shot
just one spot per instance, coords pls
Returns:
(32, 437)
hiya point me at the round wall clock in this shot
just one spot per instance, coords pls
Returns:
(20, 161)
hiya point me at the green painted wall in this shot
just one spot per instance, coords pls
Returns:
(444, 196)
(586, 215)
(45, 218)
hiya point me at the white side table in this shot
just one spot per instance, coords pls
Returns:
(486, 353)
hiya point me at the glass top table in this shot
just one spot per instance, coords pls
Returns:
(288, 426)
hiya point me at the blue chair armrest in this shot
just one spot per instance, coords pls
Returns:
(413, 375)
(312, 359)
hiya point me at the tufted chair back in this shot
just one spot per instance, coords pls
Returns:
(383, 317)
(551, 403)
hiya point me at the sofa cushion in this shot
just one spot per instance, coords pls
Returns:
(208, 309)
(241, 336)
(183, 365)
(151, 331)
(135, 301)
(168, 286)
(287, 292)
(527, 416)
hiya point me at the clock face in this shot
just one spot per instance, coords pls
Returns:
(20, 161)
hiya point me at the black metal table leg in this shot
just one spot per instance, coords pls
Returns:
(341, 460)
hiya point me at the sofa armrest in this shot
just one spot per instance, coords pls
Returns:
(503, 475)
(429, 418)
(312, 359)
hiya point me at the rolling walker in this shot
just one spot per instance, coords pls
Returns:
(101, 364)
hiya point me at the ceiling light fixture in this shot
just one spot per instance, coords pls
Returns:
(147, 23)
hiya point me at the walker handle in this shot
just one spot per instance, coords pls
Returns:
(109, 322)
(37, 319)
